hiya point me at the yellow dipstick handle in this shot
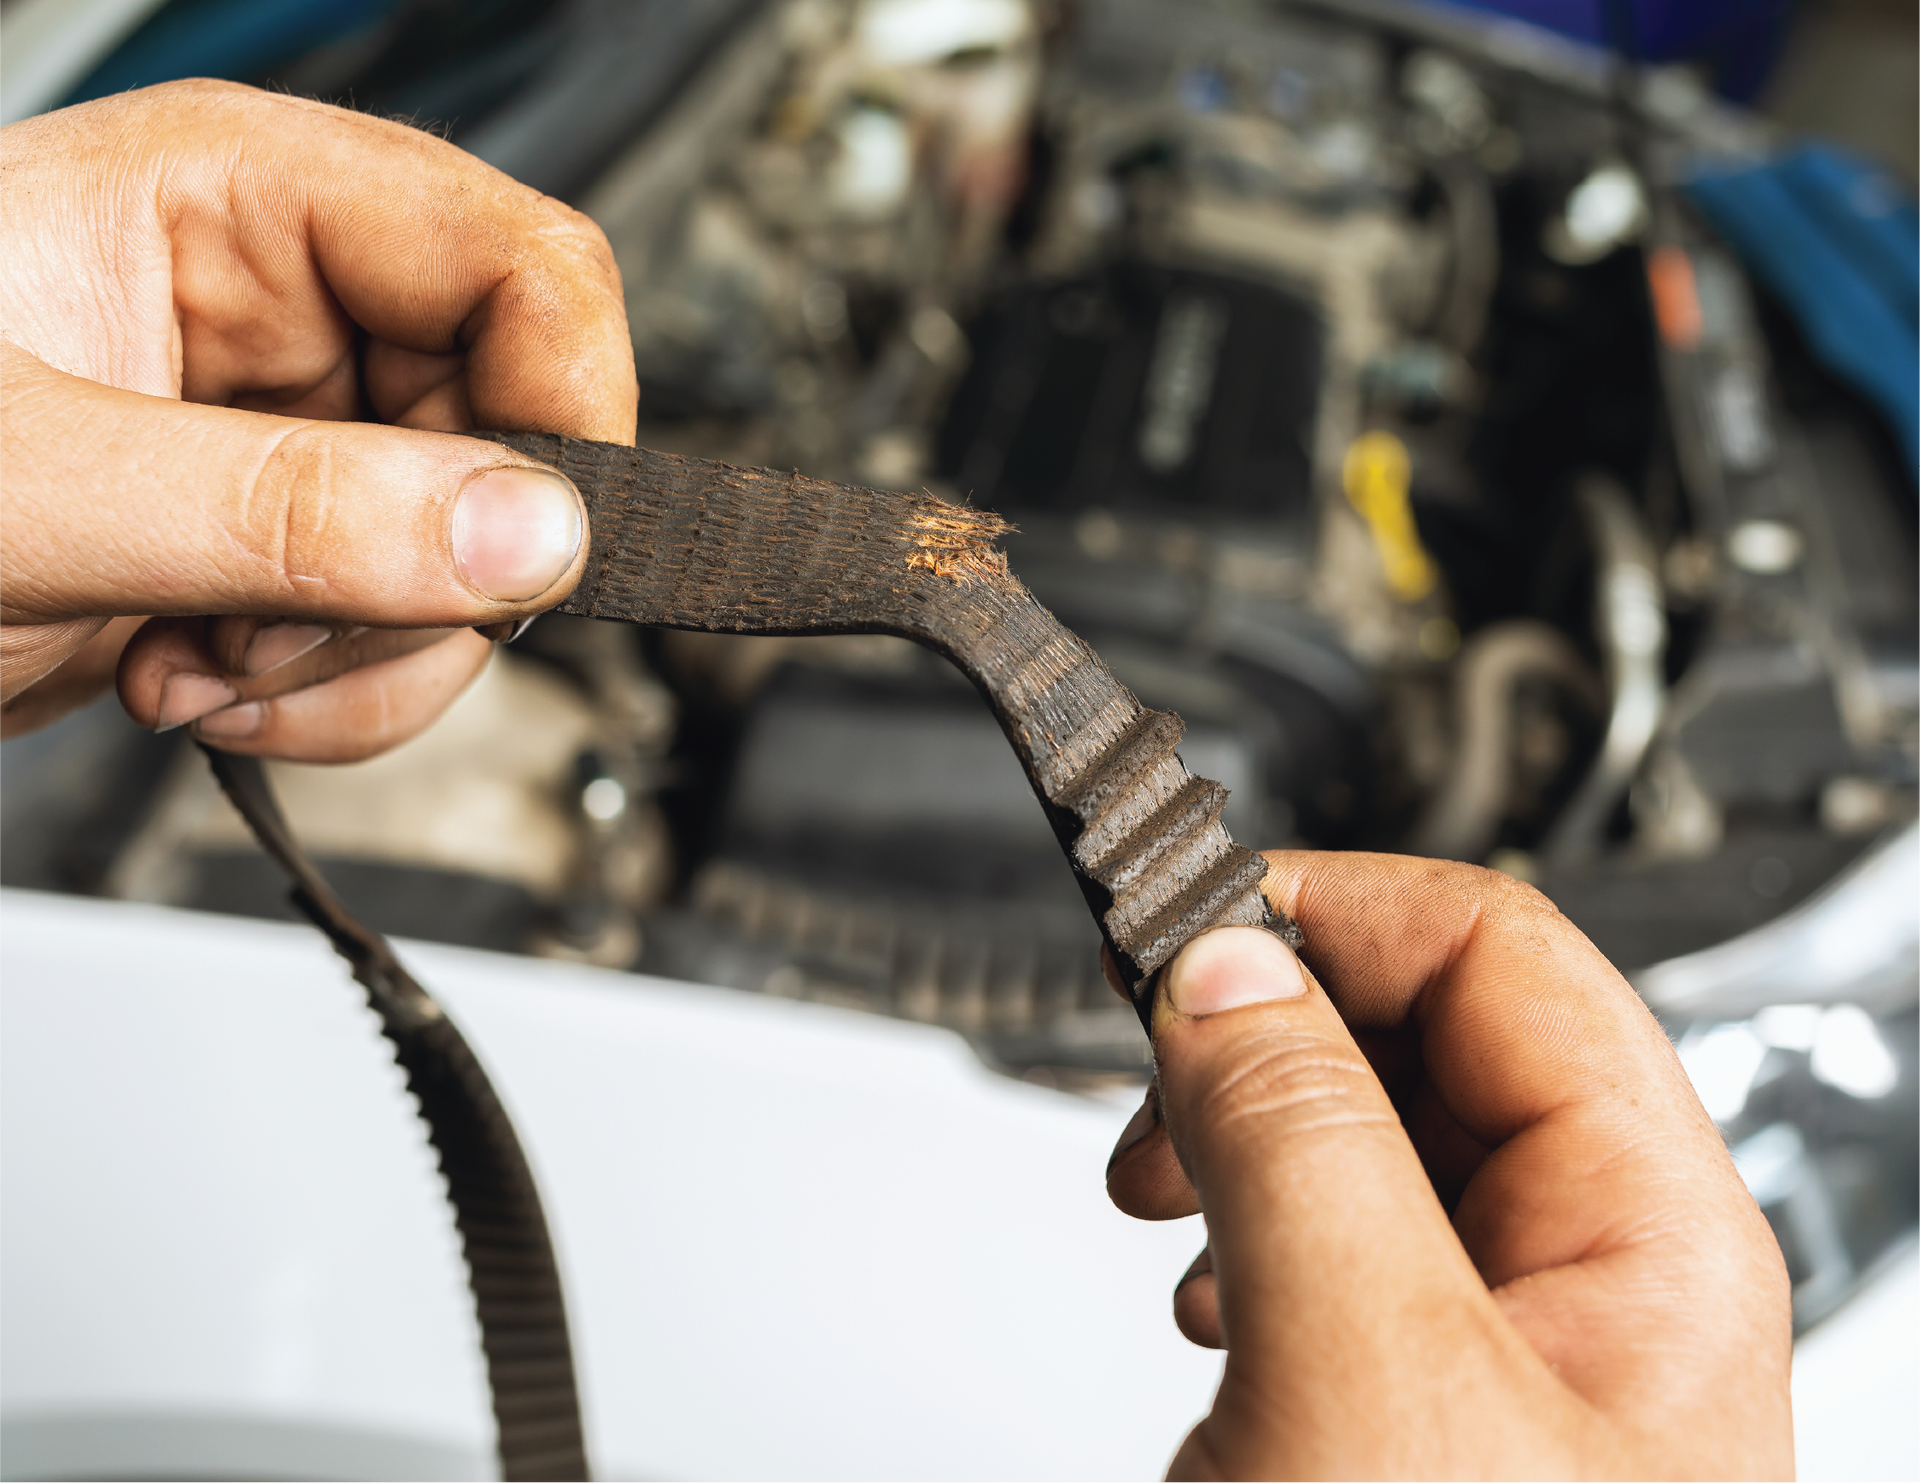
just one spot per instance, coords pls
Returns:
(1377, 475)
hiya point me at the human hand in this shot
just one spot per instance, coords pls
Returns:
(207, 293)
(1465, 1215)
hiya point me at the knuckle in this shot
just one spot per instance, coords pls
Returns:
(578, 241)
(285, 520)
(1514, 904)
(1493, 893)
(195, 103)
(207, 87)
(590, 241)
(1291, 1084)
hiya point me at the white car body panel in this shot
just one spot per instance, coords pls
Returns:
(799, 1241)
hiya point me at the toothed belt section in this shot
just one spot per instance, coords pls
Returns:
(1151, 836)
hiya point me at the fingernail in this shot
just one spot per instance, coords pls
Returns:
(282, 643)
(1138, 1127)
(188, 697)
(234, 722)
(515, 532)
(1232, 966)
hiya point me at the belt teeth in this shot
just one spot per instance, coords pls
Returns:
(1122, 860)
(692, 544)
(1177, 864)
(1151, 836)
(1228, 895)
(1116, 779)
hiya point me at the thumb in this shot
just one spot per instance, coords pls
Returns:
(1340, 1281)
(119, 503)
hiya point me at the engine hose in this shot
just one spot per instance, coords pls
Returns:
(1463, 820)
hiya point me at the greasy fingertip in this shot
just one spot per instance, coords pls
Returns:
(1144, 1177)
(356, 714)
(1145, 1119)
(235, 723)
(187, 697)
(1196, 1304)
(282, 643)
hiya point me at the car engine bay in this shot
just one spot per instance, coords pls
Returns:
(1364, 385)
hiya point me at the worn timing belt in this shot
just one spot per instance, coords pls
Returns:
(690, 543)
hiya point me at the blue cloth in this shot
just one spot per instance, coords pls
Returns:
(1738, 40)
(1839, 243)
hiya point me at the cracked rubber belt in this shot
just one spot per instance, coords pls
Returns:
(690, 543)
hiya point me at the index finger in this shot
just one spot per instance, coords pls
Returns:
(1534, 1043)
(328, 219)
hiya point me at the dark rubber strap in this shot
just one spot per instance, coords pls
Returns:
(691, 543)
(503, 1231)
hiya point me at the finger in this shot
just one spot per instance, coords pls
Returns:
(358, 715)
(447, 257)
(1144, 1178)
(1535, 1047)
(29, 653)
(251, 645)
(1196, 1304)
(1448, 1152)
(177, 670)
(349, 649)
(1337, 1274)
(1338, 1281)
(1606, 1213)
(80, 659)
(412, 388)
(196, 510)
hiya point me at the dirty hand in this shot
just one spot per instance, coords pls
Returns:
(206, 293)
(1465, 1215)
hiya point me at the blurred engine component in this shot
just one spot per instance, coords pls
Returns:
(1146, 304)
(1362, 383)
(525, 820)
(1800, 1037)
